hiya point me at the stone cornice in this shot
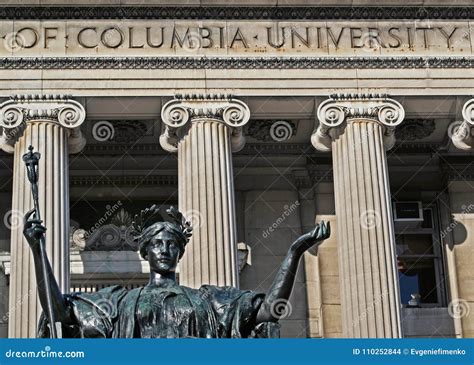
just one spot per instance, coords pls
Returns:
(382, 62)
(415, 147)
(130, 180)
(155, 149)
(458, 172)
(249, 149)
(237, 12)
(114, 149)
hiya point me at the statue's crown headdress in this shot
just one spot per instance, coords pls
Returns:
(154, 214)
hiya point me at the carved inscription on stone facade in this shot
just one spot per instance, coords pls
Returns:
(165, 37)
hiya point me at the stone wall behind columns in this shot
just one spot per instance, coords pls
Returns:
(328, 271)
(327, 262)
(7, 218)
(461, 195)
(3, 305)
(272, 223)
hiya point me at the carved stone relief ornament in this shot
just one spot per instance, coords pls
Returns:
(462, 133)
(178, 114)
(115, 236)
(415, 129)
(229, 12)
(19, 110)
(225, 63)
(340, 109)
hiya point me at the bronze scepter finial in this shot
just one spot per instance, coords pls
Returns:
(31, 160)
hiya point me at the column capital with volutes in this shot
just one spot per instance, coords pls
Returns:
(334, 114)
(179, 113)
(462, 133)
(19, 110)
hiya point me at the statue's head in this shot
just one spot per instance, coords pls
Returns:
(162, 237)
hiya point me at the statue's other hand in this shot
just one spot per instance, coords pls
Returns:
(33, 230)
(321, 232)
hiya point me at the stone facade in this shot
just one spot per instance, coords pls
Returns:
(257, 122)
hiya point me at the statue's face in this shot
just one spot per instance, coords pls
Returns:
(163, 252)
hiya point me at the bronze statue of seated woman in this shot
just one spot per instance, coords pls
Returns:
(163, 308)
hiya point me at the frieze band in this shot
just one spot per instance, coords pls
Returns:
(232, 12)
(51, 63)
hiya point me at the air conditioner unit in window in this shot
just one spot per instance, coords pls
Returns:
(407, 215)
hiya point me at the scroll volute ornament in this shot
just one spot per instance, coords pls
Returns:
(178, 114)
(334, 114)
(20, 109)
(462, 133)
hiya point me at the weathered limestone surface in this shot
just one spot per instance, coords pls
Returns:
(358, 129)
(461, 227)
(272, 222)
(50, 124)
(204, 130)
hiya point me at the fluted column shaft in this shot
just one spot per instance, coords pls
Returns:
(370, 298)
(206, 192)
(204, 130)
(51, 141)
(50, 138)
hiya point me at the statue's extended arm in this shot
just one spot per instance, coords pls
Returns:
(282, 285)
(33, 231)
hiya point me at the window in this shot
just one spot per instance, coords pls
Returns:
(420, 264)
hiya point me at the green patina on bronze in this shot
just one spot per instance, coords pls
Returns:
(163, 308)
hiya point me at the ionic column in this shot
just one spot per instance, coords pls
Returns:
(51, 125)
(204, 130)
(462, 133)
(358, 129)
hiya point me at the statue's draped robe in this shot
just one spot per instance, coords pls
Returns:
(152, 312)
